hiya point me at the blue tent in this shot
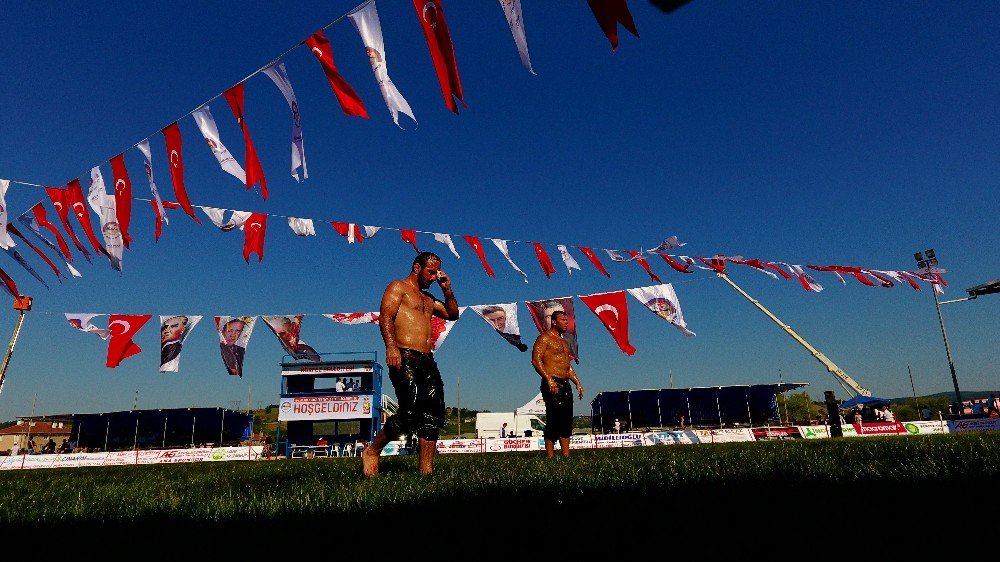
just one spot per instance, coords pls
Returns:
(863, 401)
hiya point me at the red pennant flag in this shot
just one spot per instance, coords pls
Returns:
(763, 266)
(344, 229)
(543, 260)
(123, 197)
(909, 279)
(886, 282)
(8, 284)
(43, 220)
(855, 271)
(645, 265)
(348, 98)
(79, 203)
(683, 268)
(172, 134)
(612, 310)
(411, 237)
(13, 230)
(477, 246)
(122, 328)
(159, 219)
(609, 14)
(253, 236)
(435, 28)
(60, 200)
(593, 259)
(718, 265)
(254, 170)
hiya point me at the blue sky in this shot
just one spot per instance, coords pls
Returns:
(849, 133)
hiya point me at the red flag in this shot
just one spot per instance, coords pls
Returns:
(43, 220)
(718, 265)
(344, 230)
(543, 260)
(645, 265)
(683, 268)
(855, 271)
(253, 236)
(593, 259)
(348, 98)
(79, 203)
(478, 247)
(612, 310)
(609, 14)
(60, 200)
(254, 170)
(172, 134)
(159, 219)
(122, 328)
(123, 197)
(409, 236)
(8, 284)
(909, 279)
(13, 230)
(431, 15)
(763, 266)
(886, 282)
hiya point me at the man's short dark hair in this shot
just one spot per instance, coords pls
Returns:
(556, 314)
(423, 258)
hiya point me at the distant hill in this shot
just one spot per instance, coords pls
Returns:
(966, 395)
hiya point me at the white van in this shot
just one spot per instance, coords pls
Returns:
(489, 424)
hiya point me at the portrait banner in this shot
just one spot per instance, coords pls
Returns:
(234, 335)
(174, 331)
(287, 329)
(662, 301)
(354, 318)
(541, 314)
(503, 319)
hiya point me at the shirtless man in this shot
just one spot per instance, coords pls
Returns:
(405, 321)
(550, 358)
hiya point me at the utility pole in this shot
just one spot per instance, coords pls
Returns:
(671, 378)
(914, 389)
(459, 407)
(135, 401)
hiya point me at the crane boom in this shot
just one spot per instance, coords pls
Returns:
(845, 379)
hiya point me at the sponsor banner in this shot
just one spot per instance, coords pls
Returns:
(879, 428)
(149, 457)
(732, 435)
(10, 462)
(515, 444)
(619, 440)
(575, 442)
(822, 431)
(977, 424)
(392, 448)
(38, 461)
(925, 427)
(327, 369)
(181, 455)
(72, 460)
(235, 453)
(460, 446)
(671, 438)
(326, 407)
(119, 457)
(771, 433)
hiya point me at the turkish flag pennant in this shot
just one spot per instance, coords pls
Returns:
(609, 14)
(13, 230)
(253, 236)
(477, 246)
(159, 217)
(123, 197)
(43, 220)
(172, 134)
(855, 271)
(886, 282)
(593, 259)
(683, 268)
(254, 170)
(411, 237)
(8, 284)
(908, 279)
(60, 200)
(79, 204)
(645, 265)
(612, 310)
(716, 264)
(431, 15)
(348, 98)
(543, 260)
(122, 328)
(344, 229)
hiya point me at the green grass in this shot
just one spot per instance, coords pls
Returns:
(699, 483)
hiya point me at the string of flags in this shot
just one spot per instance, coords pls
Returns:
(234, 331)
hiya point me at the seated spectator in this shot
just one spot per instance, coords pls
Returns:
(64, 447)
(50, 447)
(322, 442)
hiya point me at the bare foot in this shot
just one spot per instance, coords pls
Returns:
(369, 463)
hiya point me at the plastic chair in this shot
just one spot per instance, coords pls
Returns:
(321, 452)
(348, 450)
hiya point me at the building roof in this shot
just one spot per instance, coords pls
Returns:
(39, 427)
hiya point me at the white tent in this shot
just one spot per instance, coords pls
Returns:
(534, 406)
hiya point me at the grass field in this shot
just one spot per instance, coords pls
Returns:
(647, 487)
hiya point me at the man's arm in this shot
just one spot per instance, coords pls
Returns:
(576, 381)
(391, 300)
(449, 308)
(537, 356)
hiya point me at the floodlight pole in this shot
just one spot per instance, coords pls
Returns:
(947, 349)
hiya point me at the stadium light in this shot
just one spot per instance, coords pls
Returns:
(929, 262)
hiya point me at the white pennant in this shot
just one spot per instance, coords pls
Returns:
(350, 233)
(371, 230)
(302, 227)
(365, 20)
(144, 149)
(443, 329)
(446, 240)
(206, 124)
(662, 300)
(568, 259)
(105, 207)
(512, 9)
(615, 255)
(216, 215)
(502, 246)
(278, 75)
(82, 322)
(6, 241)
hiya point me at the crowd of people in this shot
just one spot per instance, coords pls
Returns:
(347, 385)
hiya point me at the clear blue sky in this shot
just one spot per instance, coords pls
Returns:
(836, 133)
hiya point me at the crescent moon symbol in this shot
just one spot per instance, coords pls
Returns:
(57, 205)
(120, 185)
(318, 52)
(174, 158)
(430, 8)
(123, 323)
(78, 212)
(255, 225)
(608, 308)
